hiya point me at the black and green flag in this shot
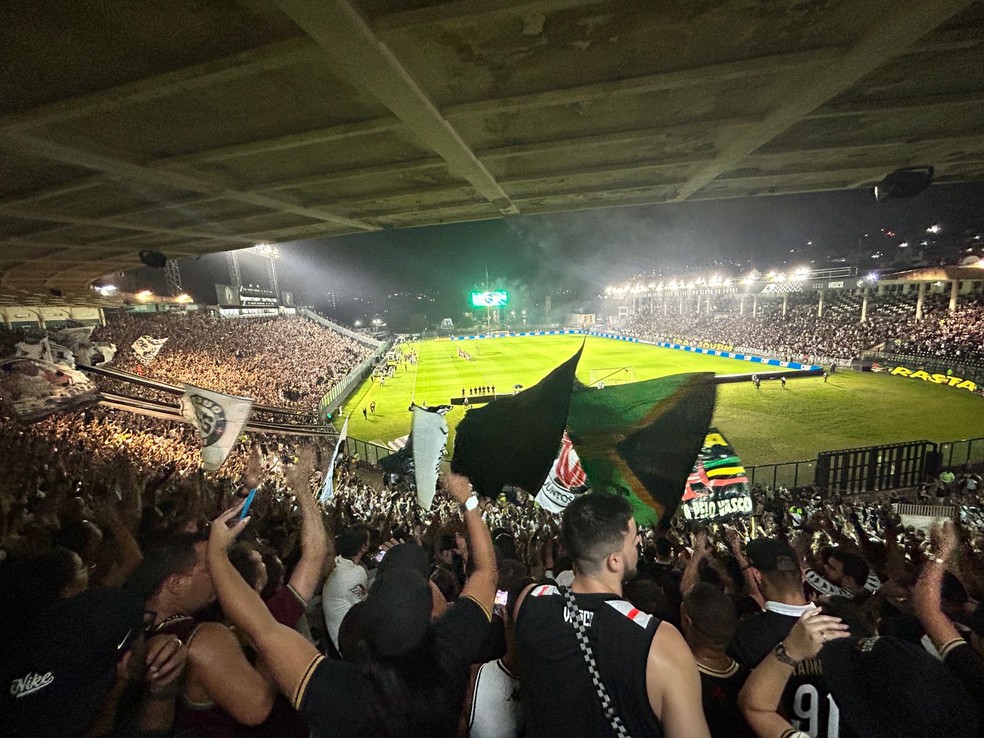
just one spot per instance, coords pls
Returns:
(641, 439)
(514, 440)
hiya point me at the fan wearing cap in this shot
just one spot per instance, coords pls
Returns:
(402, 681)
(775, 569)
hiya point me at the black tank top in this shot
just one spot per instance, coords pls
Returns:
(559, 698)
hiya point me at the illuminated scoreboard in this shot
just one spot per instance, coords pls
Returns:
(496, 298)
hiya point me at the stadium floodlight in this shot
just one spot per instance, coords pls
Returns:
(268, 250)
(872, 276)
(144, 295)
(935, 228)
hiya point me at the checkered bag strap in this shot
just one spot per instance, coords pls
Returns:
(618, 727)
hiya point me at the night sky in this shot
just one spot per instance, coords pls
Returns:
(582, 252)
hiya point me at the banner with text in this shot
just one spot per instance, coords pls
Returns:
(717, 488)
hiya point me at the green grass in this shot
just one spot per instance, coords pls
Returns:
(766, 426)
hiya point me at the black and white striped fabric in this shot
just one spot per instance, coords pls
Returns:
(618, 727)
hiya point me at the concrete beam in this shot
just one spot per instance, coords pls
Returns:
(116, 166)
(199, 76)
(360, 59)
(467, 11)
(802, 93)
(692, 77)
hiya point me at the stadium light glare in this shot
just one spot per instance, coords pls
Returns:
(935, 228)
(144, 295)
(872, 276)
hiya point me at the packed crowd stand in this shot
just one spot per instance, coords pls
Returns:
(137, 603)
(237, 357)
(890, 325)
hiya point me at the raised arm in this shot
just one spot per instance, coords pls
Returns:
(759, 698)
(314, 546)
(286, 652)
(926, 593)
(480, 586)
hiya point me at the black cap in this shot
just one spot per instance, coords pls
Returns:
(771, 554)
(885, 686)
(59, 674)
(396, 615)
(405, 556)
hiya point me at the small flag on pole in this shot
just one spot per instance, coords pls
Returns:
(219, 419)
(328, 488)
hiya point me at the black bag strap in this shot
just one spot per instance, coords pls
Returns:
(582, 640)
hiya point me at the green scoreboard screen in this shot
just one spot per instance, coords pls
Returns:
(497, 298)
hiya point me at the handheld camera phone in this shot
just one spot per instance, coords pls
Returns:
(249, 501)
(501, 601)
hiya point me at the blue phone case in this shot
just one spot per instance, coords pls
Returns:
(249, 501)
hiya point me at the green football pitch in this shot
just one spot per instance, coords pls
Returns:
(766, 426)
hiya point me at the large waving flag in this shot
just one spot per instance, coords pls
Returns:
(328, 488)
(514, 440)
(34, 388)
(430, 438)
(641, 439)
(717, 488)
(219, 419)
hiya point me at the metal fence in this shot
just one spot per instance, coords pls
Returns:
(786, 474)
(958, 453)
(368, 452)
(340, 392)
(892, 466)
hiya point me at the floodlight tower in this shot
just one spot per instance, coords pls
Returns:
(235, 276)
(271, 253)
(172, 276)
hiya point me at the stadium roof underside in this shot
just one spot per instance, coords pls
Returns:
(194, 126)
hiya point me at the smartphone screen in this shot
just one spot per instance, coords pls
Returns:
(501, 600)
(249, 501)
(378, 556)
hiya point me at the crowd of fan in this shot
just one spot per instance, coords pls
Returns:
(280, 362)
(837, 334)
(127, 612)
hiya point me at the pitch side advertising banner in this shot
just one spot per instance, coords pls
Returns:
(717, 488)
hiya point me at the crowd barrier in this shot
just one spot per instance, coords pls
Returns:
(367, 340)
(333, 399)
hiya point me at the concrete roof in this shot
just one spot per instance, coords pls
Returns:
(194, 126)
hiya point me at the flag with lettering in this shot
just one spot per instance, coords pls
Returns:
(717, 488)
(566, 481)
